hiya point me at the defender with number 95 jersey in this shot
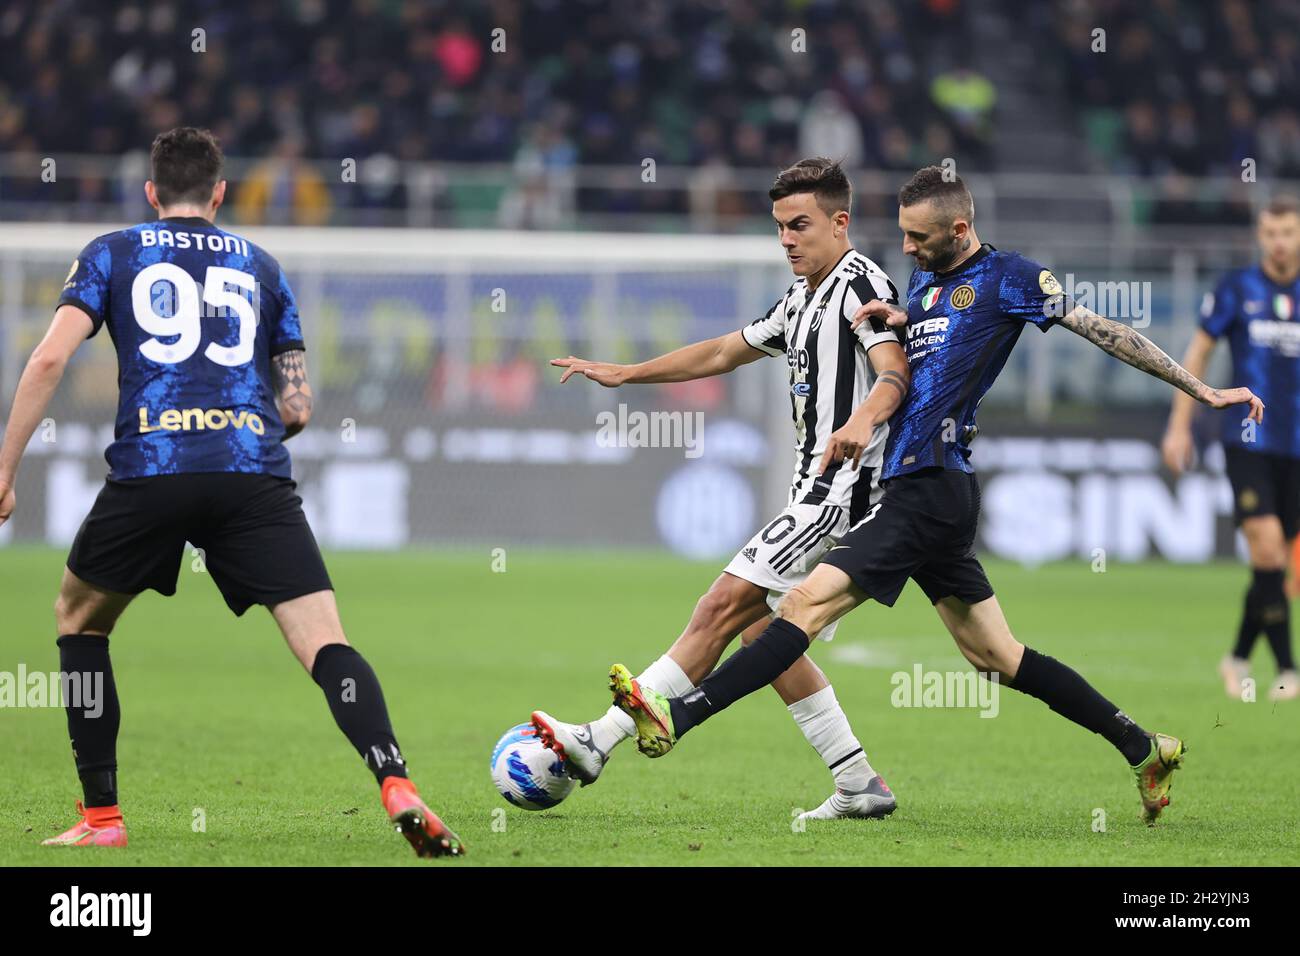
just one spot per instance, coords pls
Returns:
(201, 320)
(212, 381)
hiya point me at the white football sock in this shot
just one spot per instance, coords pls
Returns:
(822, 721)
(663, 676)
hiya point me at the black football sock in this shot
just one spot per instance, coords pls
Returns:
(1274, 612)
(1063, 690)
(1251, 624)
(752, 667)
(90, 702)
(357, 703)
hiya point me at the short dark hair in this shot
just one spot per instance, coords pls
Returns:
(1283, 204)
(186, 165)
(946, 190)
(820, 176)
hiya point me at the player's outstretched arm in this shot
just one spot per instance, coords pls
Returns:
(292, 390)
(893, 380)
(40, 378)
(1131, 346)
(700, 360)
(1177, 446)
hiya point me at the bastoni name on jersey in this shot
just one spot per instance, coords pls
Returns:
(211, 241)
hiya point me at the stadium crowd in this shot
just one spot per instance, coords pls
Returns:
(1193, 88)
(1185, 89)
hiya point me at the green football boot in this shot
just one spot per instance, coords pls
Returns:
(648, 710)
(1155, 775)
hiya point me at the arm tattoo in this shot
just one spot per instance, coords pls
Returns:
(289, 370)
(1130, 346)
(890, 377)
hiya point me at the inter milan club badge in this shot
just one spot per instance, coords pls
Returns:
(931, 297)
(962, 296)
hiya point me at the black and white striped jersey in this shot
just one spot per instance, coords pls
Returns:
(829, 374)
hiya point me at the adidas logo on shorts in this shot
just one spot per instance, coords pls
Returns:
(749, 553)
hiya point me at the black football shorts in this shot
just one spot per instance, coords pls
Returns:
(255, 539)
(923, 528)
(1264, 484)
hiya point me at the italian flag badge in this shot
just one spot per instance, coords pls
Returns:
(1282, 306)
(931, 297)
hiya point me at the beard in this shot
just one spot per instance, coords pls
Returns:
(943, 257)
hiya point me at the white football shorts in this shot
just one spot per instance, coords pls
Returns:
(788, 548)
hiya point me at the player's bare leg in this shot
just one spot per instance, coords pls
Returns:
(729, 606)
(82, 608)
(309, 623)
(311, 627)
(808, 695)
(819, 600)
(1293, 579)
(983, 636)
(1266, 609)
(84, 616)
(985, 639)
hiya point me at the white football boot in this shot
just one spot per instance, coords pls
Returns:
(1233, 670)
(1286, 686)
(874, 802)
(583, 760)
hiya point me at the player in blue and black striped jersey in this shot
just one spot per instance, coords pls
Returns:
(967, 305)
(212, 381)
(1255, 310)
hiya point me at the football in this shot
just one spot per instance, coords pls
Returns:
(526, 773)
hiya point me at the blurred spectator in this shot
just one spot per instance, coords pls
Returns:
(1144, 153)
(828, 129)
(283, 189)
(459, 53)
(543, 195)
(1279, 144)
(967, 98)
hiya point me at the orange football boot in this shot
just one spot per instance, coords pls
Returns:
(427, 835)
(99, 826)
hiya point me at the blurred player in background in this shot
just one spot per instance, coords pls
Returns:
(1293, 584)
(1255, 308)
(967, 304)
(212, 381)
(831, 383)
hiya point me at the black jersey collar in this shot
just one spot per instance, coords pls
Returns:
(187, 220)
(980, 253)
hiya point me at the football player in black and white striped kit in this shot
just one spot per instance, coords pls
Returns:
(838, 378)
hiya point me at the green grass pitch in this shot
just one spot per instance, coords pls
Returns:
(218, 717)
